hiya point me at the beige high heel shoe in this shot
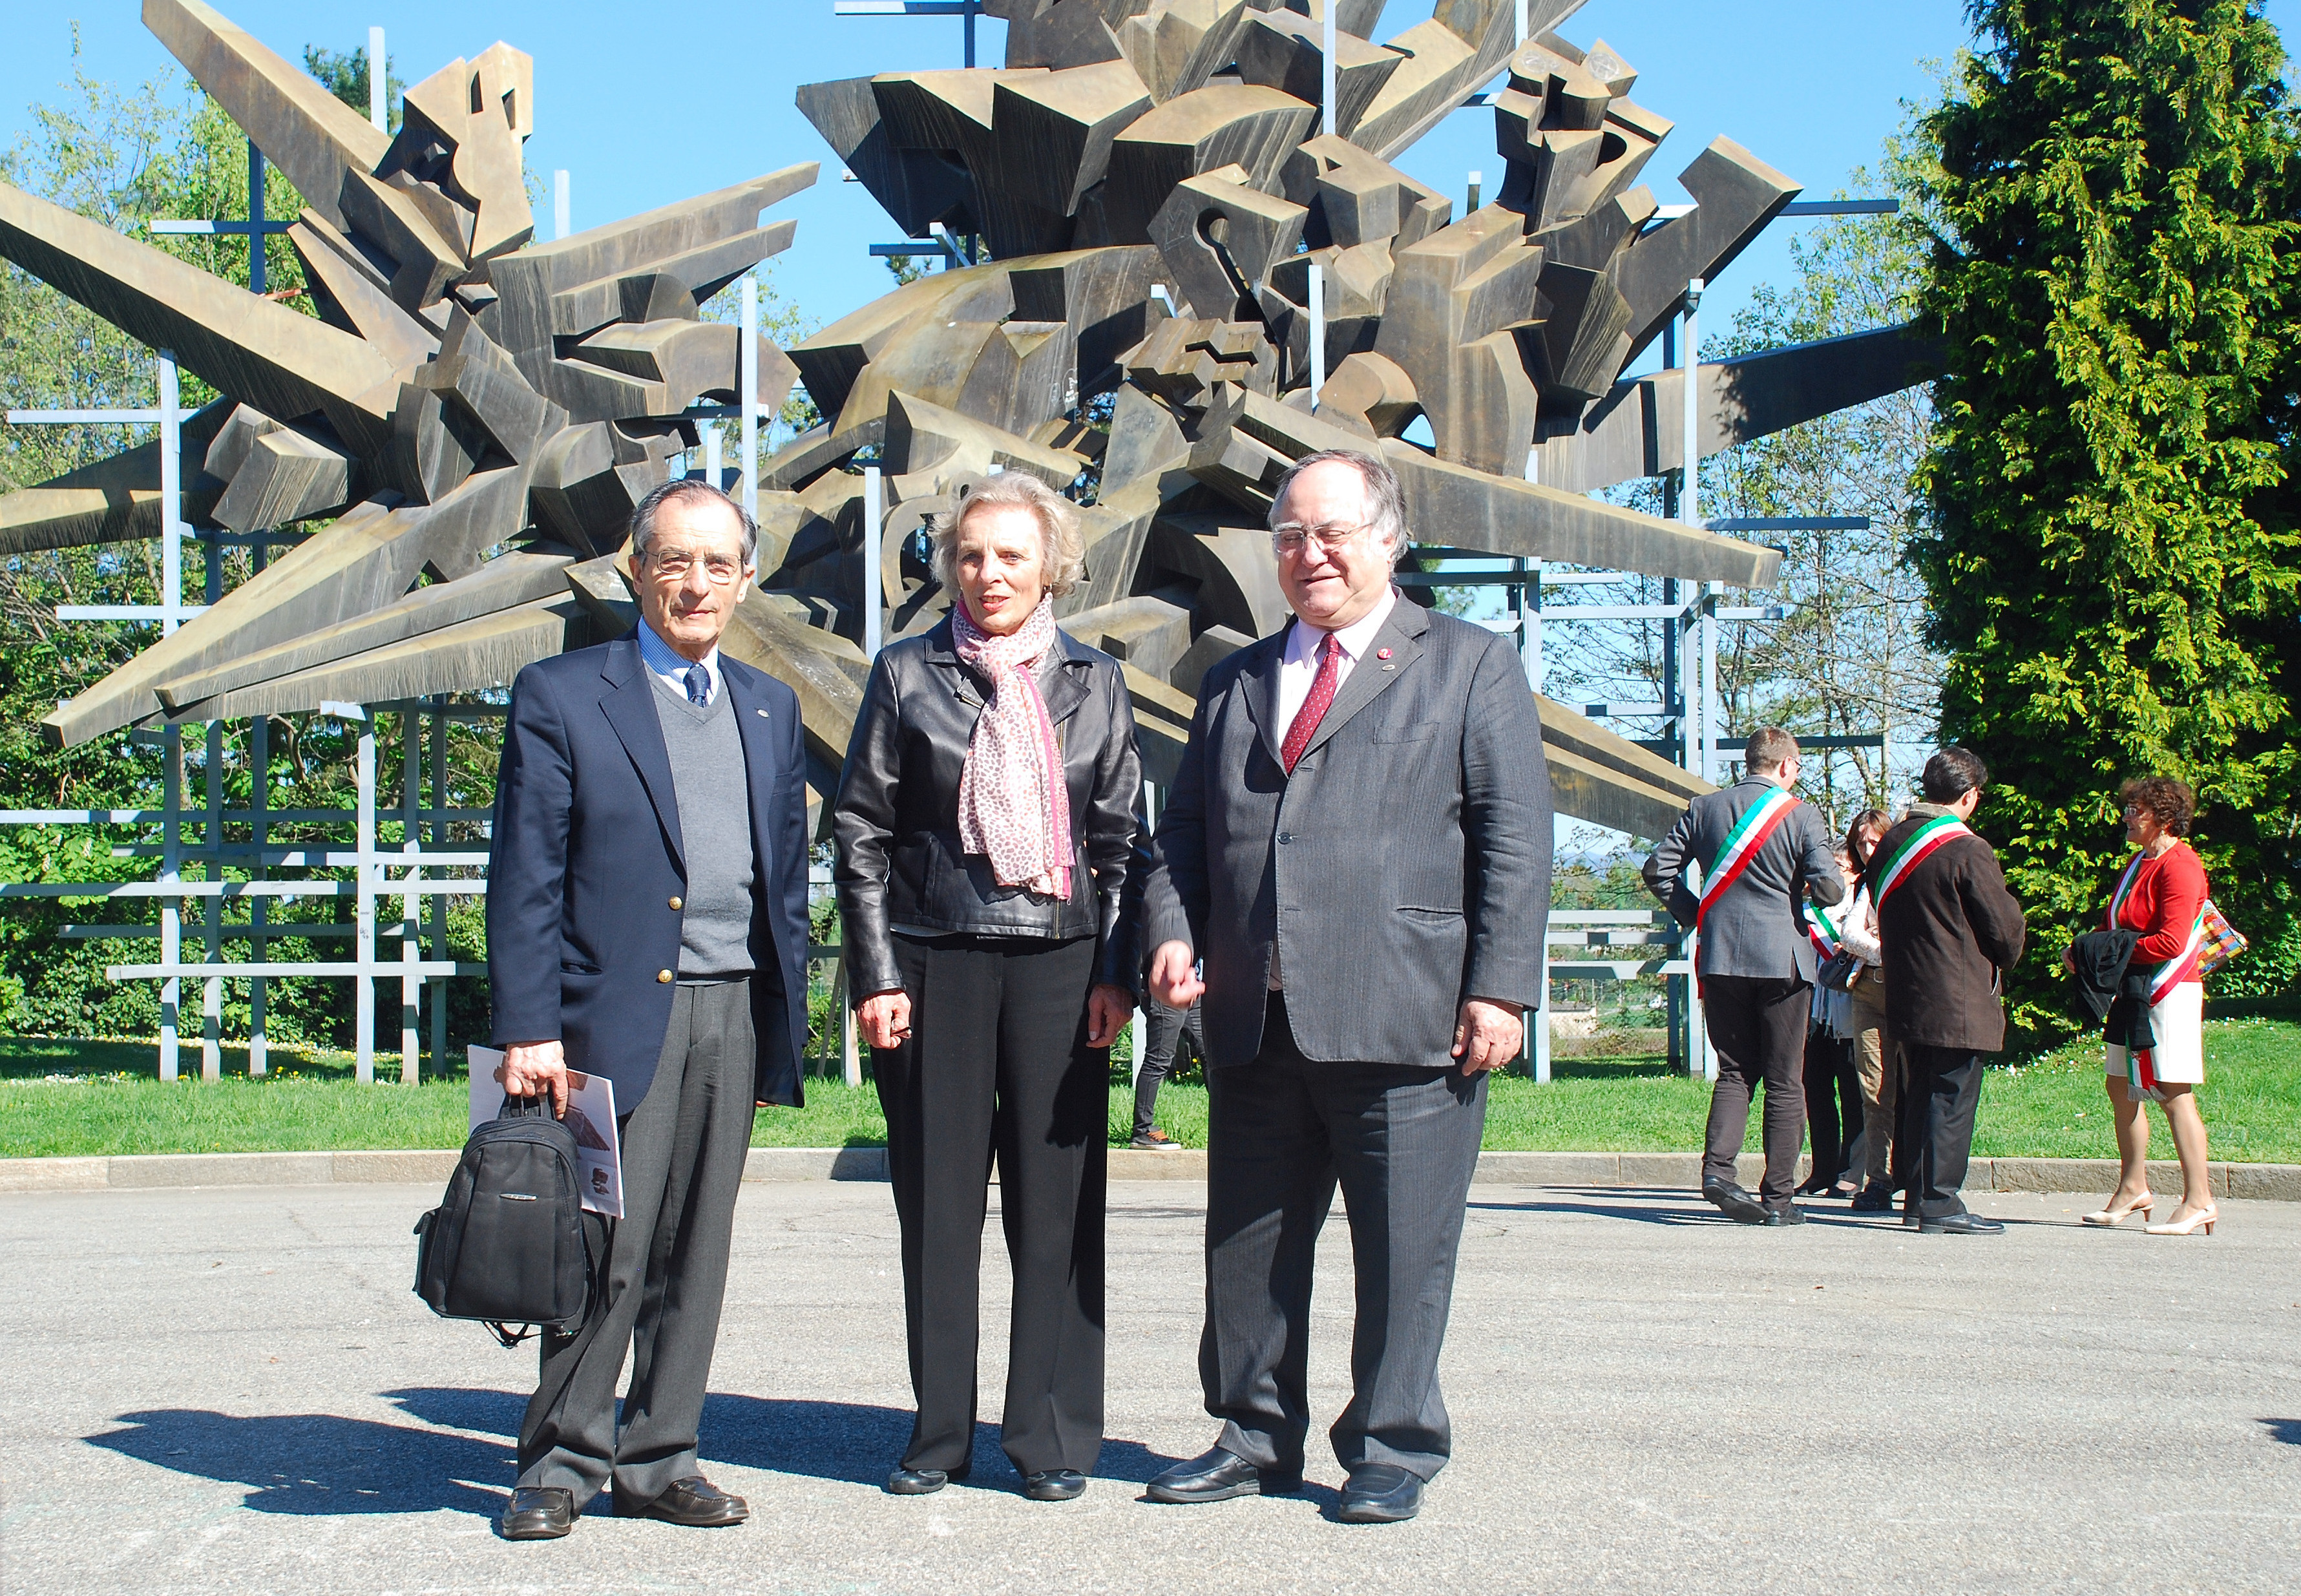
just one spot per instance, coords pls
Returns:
(2186, 1227)
(2110, 1218)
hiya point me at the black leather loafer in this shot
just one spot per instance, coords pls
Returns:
(1962, 1225)
(694, 1502)
(1788, 1213)
(1873, 1199)
(922, 1482)
(1380, 1493)
(1216, 1475)
(538, 1513)
(1054, 1485)
(1735, 1203)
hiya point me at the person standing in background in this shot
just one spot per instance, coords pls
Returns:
(2162, 896)
(1950, 931)
(1833, 1091)
(1760, 851)
(1875, 1061)
(1165, 1028)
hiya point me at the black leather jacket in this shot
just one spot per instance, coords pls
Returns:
(895, 822)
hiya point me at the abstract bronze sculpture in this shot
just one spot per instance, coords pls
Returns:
(1150, 181)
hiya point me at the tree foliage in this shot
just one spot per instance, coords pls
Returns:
(2110, 552)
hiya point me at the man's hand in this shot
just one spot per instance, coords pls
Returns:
(885, 1018)
(1489, 1034)
(1171, 980)
(2069, 960)
(531, 1069)
(1108, 1008)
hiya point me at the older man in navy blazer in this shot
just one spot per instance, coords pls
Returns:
(646, 922)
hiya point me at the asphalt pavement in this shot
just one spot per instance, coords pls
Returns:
(233, 1389)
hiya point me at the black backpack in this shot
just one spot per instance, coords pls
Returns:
(507, 1244)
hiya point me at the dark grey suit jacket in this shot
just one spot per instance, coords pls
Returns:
(1404, 867)
(1757, 928)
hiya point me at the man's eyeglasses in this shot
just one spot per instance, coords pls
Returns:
(1289, 537)
(673, 564)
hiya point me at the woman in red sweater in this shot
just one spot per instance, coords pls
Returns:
(2162, 895)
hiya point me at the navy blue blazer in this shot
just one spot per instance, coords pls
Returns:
(586, 870)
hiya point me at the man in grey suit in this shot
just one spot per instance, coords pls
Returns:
(1760, 852)
(1358, 844)
(646, 922)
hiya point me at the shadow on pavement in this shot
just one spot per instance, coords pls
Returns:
(320, 1463)
(2286, 1430)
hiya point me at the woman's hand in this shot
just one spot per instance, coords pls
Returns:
(1108, 1008)
(885, 1018)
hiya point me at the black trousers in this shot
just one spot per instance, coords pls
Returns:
(1941, 1090)
(1758, 1027)
(997, 1064)
(1833, 1105)
(1166, 1027)
(1403, 1143)
(663, 1274)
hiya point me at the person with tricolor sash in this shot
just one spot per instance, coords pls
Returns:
(1760, 853)
(2161, 895)
(1950, 931)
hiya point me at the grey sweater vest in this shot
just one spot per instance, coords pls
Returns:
(709, 779)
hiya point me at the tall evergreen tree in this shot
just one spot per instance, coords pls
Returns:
(2111, 552)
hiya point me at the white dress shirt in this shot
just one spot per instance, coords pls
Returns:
(671, 667)
(1299, 671)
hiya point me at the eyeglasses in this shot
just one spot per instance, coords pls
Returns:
(673, 564)
(1289, 537)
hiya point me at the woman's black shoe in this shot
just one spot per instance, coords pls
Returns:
(1054, 1485)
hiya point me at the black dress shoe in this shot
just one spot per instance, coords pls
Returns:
(1735, 1203)
(1874, 1199)
(1380, 1493)
(1962, 1225)
(1054, 1485)
(923, 1481)
(1216, 1475)
(538, 1513)
(1788, 1213)
(693, 1501)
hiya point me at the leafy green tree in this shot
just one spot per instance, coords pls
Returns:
(344, 73)
(2111, 553)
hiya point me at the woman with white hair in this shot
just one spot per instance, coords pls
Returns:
(985, 825)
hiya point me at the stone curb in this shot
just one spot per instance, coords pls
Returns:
(1680, 1172)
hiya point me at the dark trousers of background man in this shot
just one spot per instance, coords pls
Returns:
(997, 1061)
(1403, 1143)
(1166, 1027)
(1758, 1027)
(1941, 1088)
(664, 1270)
(1833, 1107)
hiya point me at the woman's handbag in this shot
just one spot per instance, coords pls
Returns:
(2222, 943)
(506, 1245)
(1840, 971)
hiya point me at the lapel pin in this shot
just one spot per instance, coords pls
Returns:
(763, 714)
(1382, 654)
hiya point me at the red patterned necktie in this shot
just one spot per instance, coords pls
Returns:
(1314, 707)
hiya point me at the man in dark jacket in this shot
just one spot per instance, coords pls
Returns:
(646, 922)
(1760, 852)
(1951, 930)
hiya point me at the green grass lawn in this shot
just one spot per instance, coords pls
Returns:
(60, 1097)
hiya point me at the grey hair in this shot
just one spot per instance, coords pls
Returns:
(686, 490)
(1063, 561)
(1381, 486)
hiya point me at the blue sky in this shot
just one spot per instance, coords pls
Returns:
(644, 113)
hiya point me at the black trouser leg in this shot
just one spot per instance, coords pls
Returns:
(1054, 1155)
(1270, 1181)
(997, 1058)
(1757, 1028)
(1163, 1034)
(1940, 1095)
(1824, 1134)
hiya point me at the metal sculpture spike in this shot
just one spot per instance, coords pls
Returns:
(1150, 181)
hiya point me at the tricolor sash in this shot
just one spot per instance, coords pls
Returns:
(2182, 965)
(1821, 930)
(1758, 822)
(1917, 847)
